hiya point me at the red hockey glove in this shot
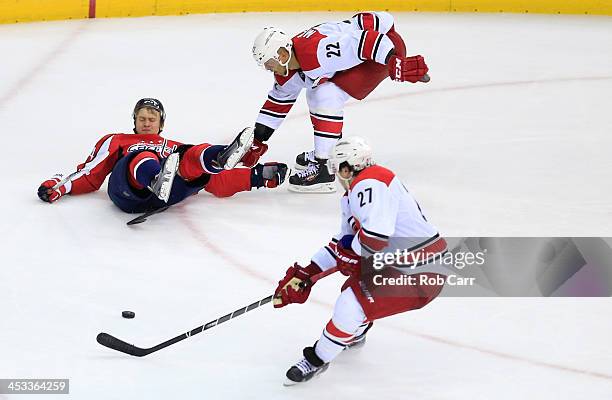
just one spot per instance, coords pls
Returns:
(349, 263)
(257, 150)
(47, 193)
(411, 69)
(289, 289)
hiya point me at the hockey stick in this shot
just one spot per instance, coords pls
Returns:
(143, 217)
(65, 180)
(117, 344)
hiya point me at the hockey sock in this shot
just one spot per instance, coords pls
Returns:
(143, 168)
(361, 332)
(327, 131)
(347, 322)
(332, 341)
(200, 159)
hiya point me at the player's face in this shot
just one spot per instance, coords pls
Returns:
(345, 173)
(147, 121)
(275, 66)
(346, 177)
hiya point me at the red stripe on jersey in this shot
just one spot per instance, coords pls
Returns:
(376, 172)
(277, 108)
(367, 21)
(331, 328)
(281, 80)
(369, 41)
(372, 242)
(305, 46)
(320, 125)
(354, 222)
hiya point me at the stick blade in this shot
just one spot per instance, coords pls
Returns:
(143, 217)
(112, 342)
(137, 220)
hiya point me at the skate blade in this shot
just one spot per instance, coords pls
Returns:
(318, 188)
(289, 382)
(168, 175)
(244, 144)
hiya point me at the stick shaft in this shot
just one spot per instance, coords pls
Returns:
(117, 344)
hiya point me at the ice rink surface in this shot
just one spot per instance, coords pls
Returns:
(512, 137)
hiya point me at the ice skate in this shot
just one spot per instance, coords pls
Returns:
(314, 179)
(232, 155)
(303, 371)
(162, 184)
(302, 160)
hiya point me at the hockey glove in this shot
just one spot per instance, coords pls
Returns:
(47, 192)
(411, 69)
(270, 175)
(252, 155)
(349, 263)
(295, 286)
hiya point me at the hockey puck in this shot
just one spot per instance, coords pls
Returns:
(128, 314)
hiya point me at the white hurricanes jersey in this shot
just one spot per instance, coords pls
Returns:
(376, 207)
(322, 51)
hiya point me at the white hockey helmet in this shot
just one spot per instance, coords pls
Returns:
(268, 42)
(354, 151)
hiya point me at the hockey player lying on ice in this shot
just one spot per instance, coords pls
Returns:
(148, 171)
(375, 207)
(333, 61)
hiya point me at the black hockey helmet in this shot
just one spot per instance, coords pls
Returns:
(150, 103)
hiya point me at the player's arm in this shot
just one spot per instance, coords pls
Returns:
(88, 176)
(279, 102)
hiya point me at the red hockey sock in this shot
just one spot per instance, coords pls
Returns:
(198, 160)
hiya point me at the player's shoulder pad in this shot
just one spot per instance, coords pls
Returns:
(375, 172)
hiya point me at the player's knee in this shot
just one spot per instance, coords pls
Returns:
(142, 168)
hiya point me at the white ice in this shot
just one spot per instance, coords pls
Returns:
(512, 137)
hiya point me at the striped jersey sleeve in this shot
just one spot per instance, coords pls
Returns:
(100, 162)
(280, 99)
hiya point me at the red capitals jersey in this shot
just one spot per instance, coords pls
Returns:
(110, 149)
